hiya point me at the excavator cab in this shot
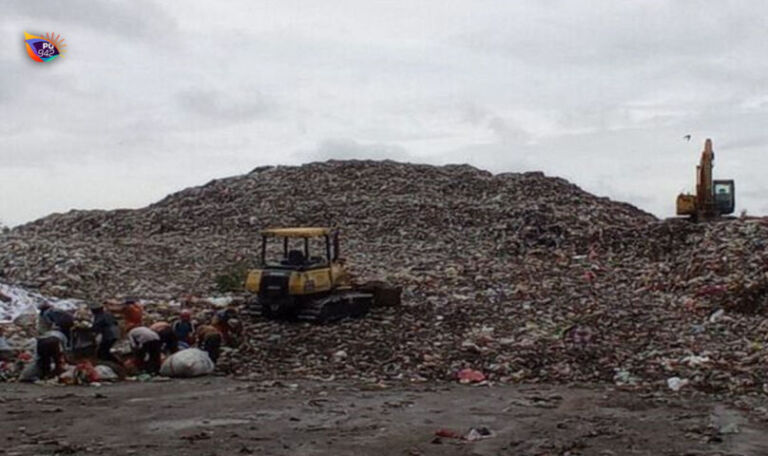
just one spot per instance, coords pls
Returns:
(725, 196)
(306, 279)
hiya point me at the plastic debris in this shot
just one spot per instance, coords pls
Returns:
(479, 433)
(729, 428)
(105, 373)
(473, 434)
(696, 361)
(448, 433)
(16, 303)
(676, 383)
(624, 377)
(470, 376)
(716, 315)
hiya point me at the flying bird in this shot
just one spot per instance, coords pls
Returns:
(687, 137)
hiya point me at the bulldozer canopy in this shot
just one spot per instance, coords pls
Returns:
(296, 232)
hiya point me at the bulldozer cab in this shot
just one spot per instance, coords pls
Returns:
(299, 248)
(302, 277)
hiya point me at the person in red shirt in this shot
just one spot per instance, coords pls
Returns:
(133, 314)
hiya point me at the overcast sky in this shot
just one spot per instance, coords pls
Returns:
(155, 96)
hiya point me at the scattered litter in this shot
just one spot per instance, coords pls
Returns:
(624, 377)
(479, 434)
(105, 373)
(448, 434)
(473, 434)
(696, 361)
(675, 383)
(730, 428)
(716, 315)
(16, 302)
(470, 376)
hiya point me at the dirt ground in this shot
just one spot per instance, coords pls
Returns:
(220, 416)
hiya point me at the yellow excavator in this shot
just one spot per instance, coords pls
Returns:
(713, 198)
(304, 284)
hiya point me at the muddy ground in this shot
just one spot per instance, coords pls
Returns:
(220, 416)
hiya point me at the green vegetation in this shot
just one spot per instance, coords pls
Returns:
(232, 279)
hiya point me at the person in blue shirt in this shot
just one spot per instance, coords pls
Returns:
(184, 328)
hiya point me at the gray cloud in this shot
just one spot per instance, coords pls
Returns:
(134, 19)
(504, 129)
(215, 105)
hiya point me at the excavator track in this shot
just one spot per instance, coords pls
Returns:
(344, 304)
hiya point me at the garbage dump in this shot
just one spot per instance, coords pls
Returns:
(519, 277)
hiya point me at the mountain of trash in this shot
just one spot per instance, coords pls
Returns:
(394, 217)
(522, 277)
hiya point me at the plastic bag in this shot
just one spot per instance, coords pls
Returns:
(192, 362)
(105, 373)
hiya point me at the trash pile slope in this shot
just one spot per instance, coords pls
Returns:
(391, 214)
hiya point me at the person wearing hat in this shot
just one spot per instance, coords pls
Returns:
(51, 318)
(184, 328)
(104, 326)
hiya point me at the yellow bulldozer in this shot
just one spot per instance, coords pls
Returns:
(307, 280)
(713, 198)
